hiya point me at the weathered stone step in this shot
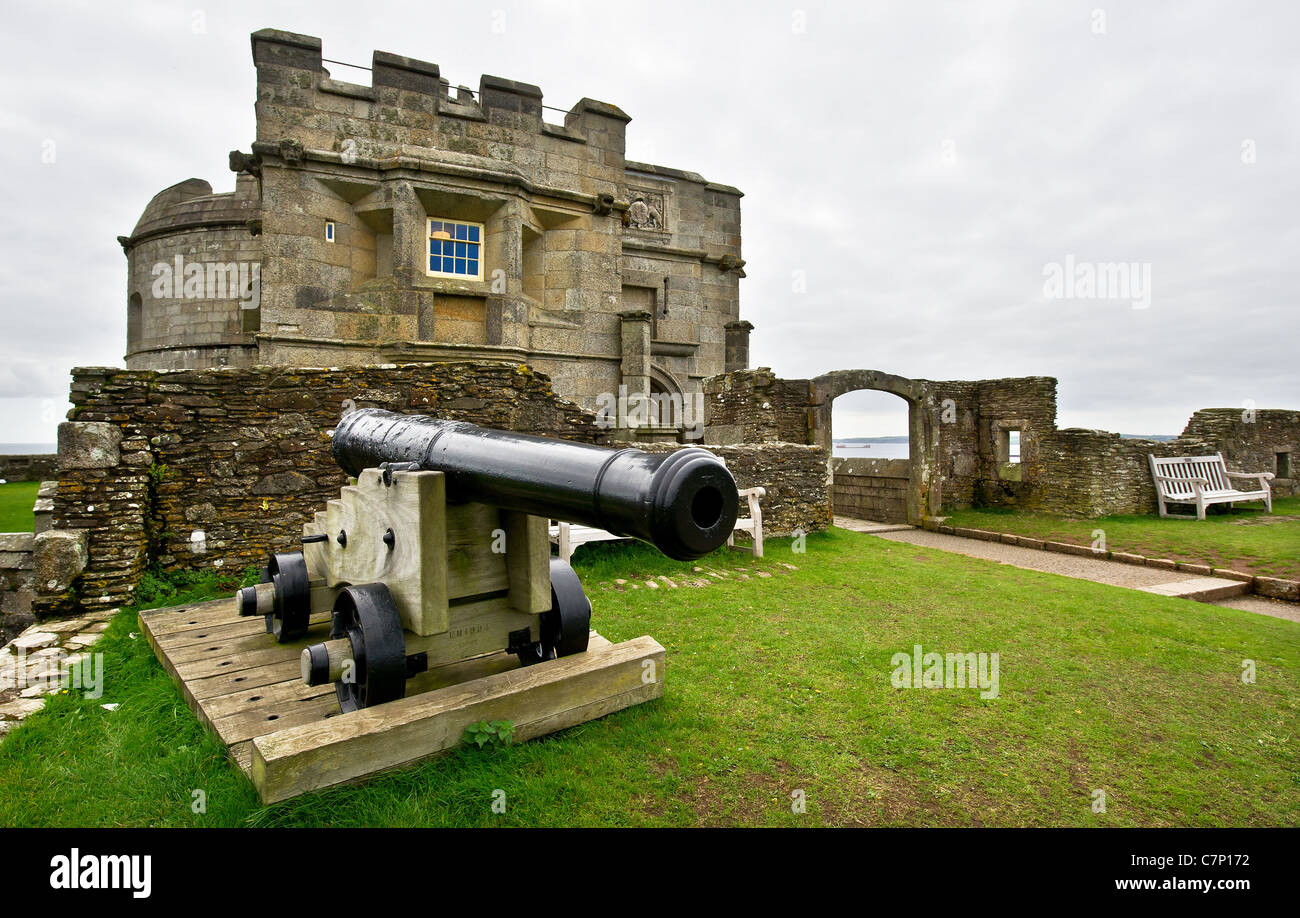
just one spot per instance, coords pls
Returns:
(1201, 589)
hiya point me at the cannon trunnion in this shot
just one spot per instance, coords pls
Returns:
(439, 553)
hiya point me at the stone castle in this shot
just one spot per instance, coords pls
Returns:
(407, 222)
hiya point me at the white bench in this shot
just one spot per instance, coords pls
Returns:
(1202, 480)
(568, 536)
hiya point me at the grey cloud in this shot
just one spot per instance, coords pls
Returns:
(1122, 146)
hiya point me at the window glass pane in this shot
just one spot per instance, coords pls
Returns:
(459, 253)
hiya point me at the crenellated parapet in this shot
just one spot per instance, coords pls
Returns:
(409, 111)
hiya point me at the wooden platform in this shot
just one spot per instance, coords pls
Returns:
(290, 738)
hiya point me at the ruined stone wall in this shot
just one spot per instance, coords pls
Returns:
(754, 406)
(794, 475)
(213, 468)
(1261, 440)
(1073, 471)
(1027, 405)
(28, 467)
(957, 462)
(1091, 473)
(871, 489)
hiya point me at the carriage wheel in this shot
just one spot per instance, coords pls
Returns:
(368, 618)
(291, 613)
(566, 627)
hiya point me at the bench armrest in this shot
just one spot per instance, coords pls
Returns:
(1262, 476)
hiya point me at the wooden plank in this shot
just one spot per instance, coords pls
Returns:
(284, 692)
(474, 629)
(260, 719)
(234, 646)
(536, 699)
(224, 683)
(212, 612)
(528, 561)
(243, 627)
(216, 665)
(242, 755)
(414, 566)
(249, 692)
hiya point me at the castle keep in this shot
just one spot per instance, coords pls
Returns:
(407, 222)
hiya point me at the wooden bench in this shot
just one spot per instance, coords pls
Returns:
(1202, 480)
(568, 536)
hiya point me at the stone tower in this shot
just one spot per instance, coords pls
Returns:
(409, 222)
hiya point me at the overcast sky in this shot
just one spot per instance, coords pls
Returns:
(912, 173)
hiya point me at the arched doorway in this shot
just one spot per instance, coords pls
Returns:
(870, 453)
(666, 399)
(922, 493)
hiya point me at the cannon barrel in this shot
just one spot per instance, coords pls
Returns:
(683, 502)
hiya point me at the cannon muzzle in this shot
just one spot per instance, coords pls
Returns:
(683, 502)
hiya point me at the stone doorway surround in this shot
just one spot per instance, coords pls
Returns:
(923, 497)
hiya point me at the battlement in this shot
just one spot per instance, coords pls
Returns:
(408, 105)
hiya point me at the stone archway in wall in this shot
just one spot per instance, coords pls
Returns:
(668, 397)
(923, 495)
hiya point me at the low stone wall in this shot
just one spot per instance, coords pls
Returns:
(206, 469)
(871, 489)
(16, 572)
(794, 475)
(1264, 440)
(36, 467)
(1096, 473)
(752, 406)
(967, 425)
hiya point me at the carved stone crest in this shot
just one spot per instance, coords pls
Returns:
(646, 211)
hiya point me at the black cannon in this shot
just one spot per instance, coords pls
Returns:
(440, 551)
(684, 502)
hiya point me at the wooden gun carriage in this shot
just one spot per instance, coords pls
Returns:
(439, 551)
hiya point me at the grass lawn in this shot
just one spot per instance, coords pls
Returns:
(774, 685)
(1244, 538)
(16, 501)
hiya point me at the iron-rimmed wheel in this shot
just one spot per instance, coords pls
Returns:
(292, 611)
(367, 616)
(567, 626)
